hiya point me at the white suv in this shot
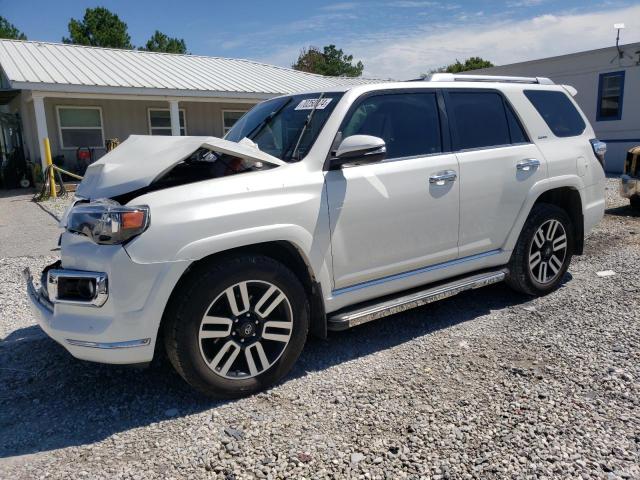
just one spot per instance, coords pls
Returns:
(320, 211)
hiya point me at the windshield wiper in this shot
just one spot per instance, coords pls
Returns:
(267, 120)
(307, 122)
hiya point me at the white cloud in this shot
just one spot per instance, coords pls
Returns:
(336, 7)
(501, 41)
(411, 4)
(525, 3)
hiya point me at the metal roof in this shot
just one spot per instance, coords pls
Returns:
(74, 68)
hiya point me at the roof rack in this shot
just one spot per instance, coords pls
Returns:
(450, 77)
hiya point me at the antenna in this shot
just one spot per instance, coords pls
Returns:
(618, 27)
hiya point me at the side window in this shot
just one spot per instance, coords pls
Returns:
(407, 122)
(515, 128)
(557, 111)
(610, 94)
(480, 119)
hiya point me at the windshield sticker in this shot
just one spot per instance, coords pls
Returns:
(310, 103)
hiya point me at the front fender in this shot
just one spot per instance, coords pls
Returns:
(206, 246)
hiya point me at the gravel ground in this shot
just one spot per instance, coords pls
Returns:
(488, 384)
(26, 228)
(56, 207)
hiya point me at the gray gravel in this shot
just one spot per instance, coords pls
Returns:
(27, 228)
(488, 384)
(56, 207)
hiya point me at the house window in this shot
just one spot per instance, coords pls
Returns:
(160, 121)
(80, 127)
(229, 118)
(610, 93)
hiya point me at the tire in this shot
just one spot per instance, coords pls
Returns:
(527, 272)
(217, 314)
(635, 202)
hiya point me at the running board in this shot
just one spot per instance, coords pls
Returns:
(373, 311)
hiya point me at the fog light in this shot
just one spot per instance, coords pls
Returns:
(77, 287)
(70, 288)
(87, 288)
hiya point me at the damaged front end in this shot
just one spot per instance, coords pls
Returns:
(146, 163)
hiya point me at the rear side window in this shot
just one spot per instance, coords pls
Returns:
(515, 129)
(557, 111)
(408, 123)
(481, 120)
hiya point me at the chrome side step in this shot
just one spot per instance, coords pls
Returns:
(373, 311)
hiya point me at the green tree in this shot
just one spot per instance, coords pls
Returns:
(330, 61)
(99, 28)
(8, 30)
(472, 63)
(159, 42)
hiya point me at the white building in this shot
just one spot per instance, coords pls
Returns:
(81, 96)
(608, 84)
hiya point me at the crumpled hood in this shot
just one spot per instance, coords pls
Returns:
(139, 160)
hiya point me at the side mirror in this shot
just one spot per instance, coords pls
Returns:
(359, 150)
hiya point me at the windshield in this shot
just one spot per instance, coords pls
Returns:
(276, 125)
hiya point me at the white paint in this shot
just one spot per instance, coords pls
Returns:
(41, 127)
(115, 173)
(606, 273)
(382, 223)
(174, 113)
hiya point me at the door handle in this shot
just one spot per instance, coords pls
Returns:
(441, 178)
(528, 164)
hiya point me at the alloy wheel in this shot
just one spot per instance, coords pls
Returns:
(246, 329)
(548, 251)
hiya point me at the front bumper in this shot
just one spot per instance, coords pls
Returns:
(124, 329)
(629, 186)
(44, 309)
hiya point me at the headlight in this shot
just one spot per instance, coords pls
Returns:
(108, 222)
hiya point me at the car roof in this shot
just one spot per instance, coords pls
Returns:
(418, 84)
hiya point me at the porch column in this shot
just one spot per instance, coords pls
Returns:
(41, 126)
(174, 112)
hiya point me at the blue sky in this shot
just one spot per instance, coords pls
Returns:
(394, 38)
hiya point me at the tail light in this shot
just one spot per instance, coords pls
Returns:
(599, 149)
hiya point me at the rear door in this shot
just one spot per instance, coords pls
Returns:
(498, 165)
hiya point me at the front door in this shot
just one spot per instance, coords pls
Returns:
(389, 217)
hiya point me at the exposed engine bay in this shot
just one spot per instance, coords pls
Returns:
(144, 163)
(203, 164)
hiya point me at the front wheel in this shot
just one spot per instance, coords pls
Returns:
(635, 202)
(237, 326)
(543, 252)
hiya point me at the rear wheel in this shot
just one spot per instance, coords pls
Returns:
(635, 202)
(237, 326)
(543, 252)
